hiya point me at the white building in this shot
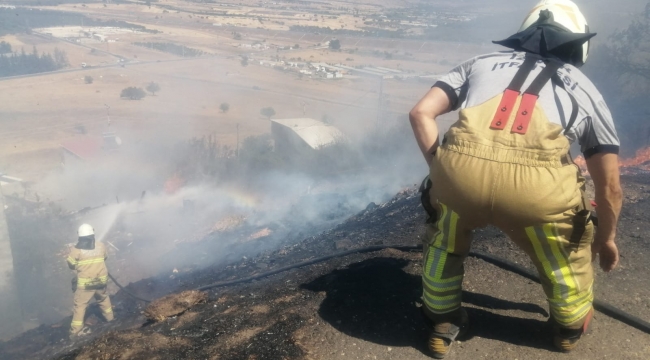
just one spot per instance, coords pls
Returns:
(303, 134)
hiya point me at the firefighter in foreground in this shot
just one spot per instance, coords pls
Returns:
(506, 163)
(87, 259)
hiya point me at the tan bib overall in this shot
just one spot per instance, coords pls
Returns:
(511, 170)
(91, 281)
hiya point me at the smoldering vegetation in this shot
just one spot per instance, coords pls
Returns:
(177, 206)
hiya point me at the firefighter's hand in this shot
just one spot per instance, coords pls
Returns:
(607, 252)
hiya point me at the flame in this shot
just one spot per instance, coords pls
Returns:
(641, 160)
(582, 164)
(173, 184)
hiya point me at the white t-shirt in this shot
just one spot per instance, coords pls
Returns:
(484, 77)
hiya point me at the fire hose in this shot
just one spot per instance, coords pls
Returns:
(127, 291)
(599, 305)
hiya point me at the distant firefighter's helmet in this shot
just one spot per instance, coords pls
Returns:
(85, 230)
(567, 14)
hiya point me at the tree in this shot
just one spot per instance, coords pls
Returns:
(267, 112)
(23, 63)
(61, 58)
(5, 47)
(133, 93)
(257, 154)
(335, 44)
(244, 61)
(153, 88)
(621, 71)
(224, 107)
(88, 79)
(630, 49)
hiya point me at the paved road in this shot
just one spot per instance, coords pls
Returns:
(75, 69)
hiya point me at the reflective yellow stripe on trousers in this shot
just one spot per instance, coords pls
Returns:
(566, 304)
(442, 295)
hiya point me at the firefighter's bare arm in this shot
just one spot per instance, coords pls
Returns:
(609, 197)
(423, 120)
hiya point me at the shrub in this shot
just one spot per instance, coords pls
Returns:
(133, 93)
(267, 112)
(153, 88)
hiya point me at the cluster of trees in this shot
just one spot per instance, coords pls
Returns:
(255, 156)
(621, 71)
(14, 64)
(367, 31)
(136, 93)
(5, 47)
(133, 93)
(172, 48)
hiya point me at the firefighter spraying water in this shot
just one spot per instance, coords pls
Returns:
(87, 259)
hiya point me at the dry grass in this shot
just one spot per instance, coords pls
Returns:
(42, 111)
(174, 304)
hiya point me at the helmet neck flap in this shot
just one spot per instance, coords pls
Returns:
(86, 242)
(549, 39)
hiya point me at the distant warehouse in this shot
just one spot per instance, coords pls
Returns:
(303, 134)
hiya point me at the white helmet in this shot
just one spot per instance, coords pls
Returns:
(565, 13)
(85, 230)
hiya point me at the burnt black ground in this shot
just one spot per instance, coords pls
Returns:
(364, 306)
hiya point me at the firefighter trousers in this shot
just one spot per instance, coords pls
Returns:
(538, 206)
(82, 298)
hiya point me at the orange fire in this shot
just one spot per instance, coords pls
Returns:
(641, 160)
(582, 164)
(173, 184)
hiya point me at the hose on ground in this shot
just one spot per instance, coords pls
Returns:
(599, 305)
(127, 291)
(307, 263)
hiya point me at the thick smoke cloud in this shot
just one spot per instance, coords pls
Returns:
(206, 220)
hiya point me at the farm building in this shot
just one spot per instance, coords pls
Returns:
(300, 134)
(88, 147)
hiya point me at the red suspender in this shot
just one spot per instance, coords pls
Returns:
(504, 110)
(529, 99)
(524, 114)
